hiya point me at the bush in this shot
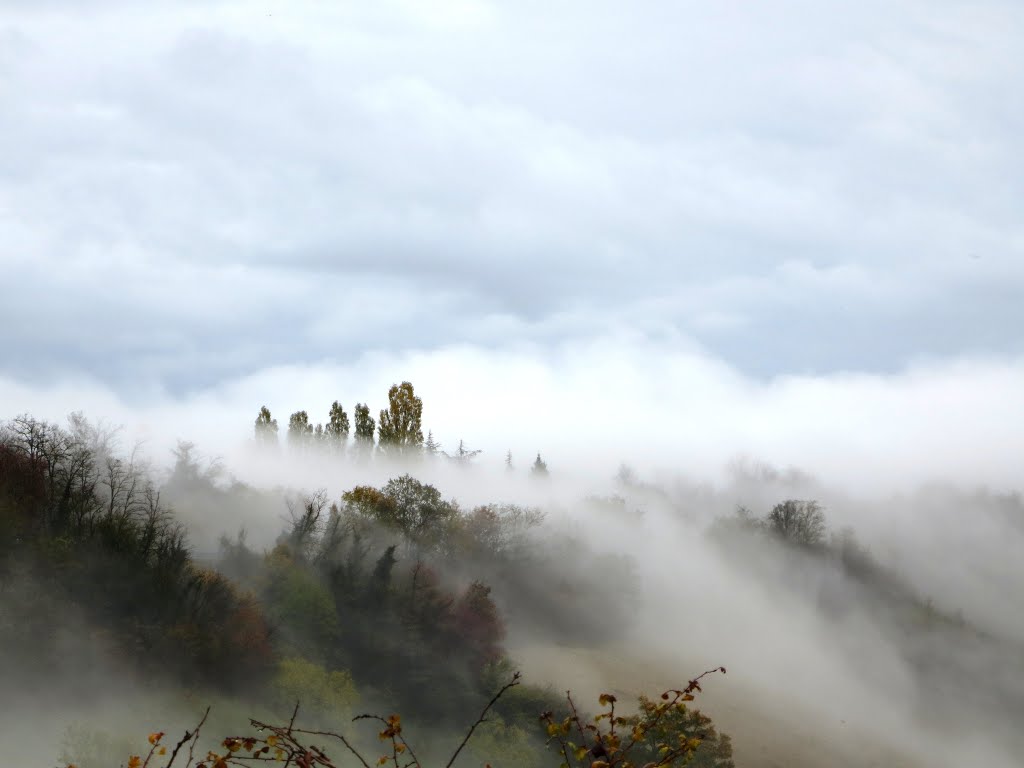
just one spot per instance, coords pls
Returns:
(663, 734)
(330, 695)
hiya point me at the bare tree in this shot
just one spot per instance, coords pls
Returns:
(801, 522)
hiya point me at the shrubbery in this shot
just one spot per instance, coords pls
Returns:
(661, 734)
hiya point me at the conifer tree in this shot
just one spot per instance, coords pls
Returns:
(464, 455)
(431, 447)
(539, 468)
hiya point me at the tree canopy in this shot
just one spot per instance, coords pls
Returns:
(400, 427)
(336, 431)
(800, 522)
(266, 427)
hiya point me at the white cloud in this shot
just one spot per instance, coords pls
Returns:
(819, 178)
(667, 234)
(621, 398)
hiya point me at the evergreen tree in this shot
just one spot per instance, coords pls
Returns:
(539, 468)
(400, 425)
(508, 461)
(464, 455)
(266, 428)
(431, 447)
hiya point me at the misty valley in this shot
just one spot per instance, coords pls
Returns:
(713, 457)
(369, 598)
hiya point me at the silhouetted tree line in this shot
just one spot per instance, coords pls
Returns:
(82, 527)
(397, 433)
(800, 528)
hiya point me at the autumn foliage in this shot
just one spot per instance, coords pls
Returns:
(661, 734)
(377, 596)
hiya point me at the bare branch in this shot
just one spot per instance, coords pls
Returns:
(483, 715)
(193, 735)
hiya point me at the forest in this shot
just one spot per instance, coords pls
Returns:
(378, 599)
(391, 604)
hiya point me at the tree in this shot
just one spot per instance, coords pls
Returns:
(800, 522)
(495, 531)
(464, 455)
(328, 694)
(300, 431)
(405, 504)
(365, 427)
(626, 476)
(400, 425)
(539, 468)
(508, 461)
(479, 626)
(266, 428)
(431, 447)
(337, 427)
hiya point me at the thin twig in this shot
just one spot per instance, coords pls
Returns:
(308, 732)
(483, 715)
(185, 738)
(401, 738)
(575, 715)
(195, 738)
(693, 683)
(415, 760)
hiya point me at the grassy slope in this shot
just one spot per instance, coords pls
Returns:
(762, 736)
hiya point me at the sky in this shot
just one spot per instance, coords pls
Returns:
(788, 228)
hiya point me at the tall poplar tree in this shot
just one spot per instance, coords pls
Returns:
(365, 427)
(300, 431)
(400, 425)
(266, 427)
(337, 427)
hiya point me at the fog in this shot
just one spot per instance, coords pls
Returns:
(700, 258)
(625, 397)
(824, 667)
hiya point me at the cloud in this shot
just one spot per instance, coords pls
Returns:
(799, 192)
(622, 398)
(671, 235)
(678, 416)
